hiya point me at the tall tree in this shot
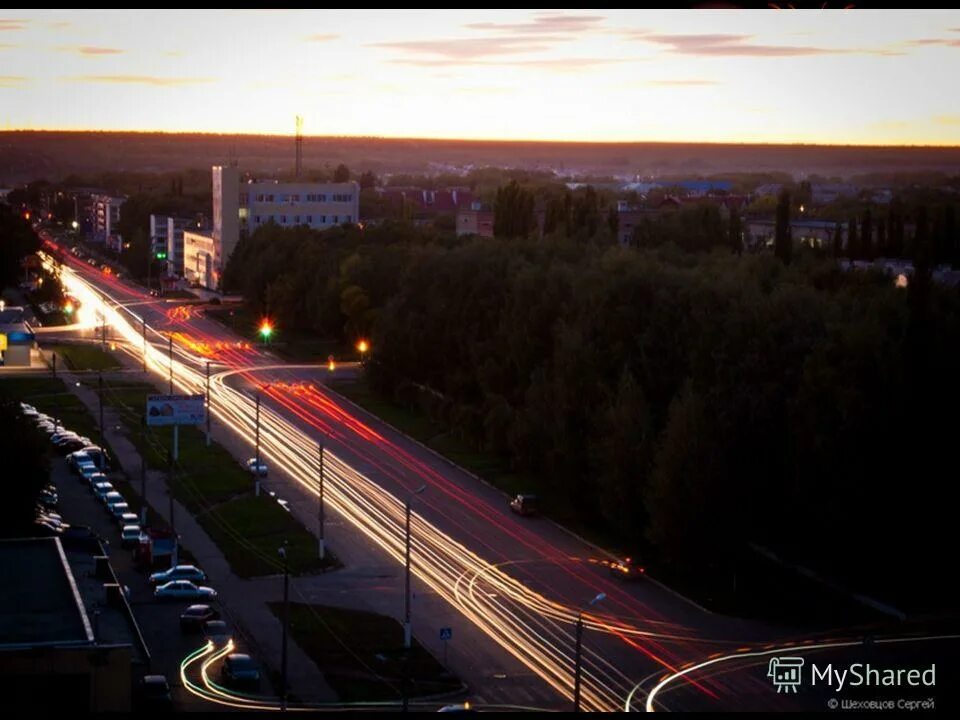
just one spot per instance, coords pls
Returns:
(368, 180)
(736, 231)
(341, 174)
(837, 240)
(853, 245)
(513, 212)
(783, 242)
(866, 235)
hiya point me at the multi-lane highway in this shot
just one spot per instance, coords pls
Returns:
(519, 582)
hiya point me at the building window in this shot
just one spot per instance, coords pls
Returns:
(294, 198)
(283, 219)
(269, 198)
(343, 198)
(336, 219)
(321, 197)
(347, 219)
(309, 219)
(323, 219)
(260, 197)
(296, 219)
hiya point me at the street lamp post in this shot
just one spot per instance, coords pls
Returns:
(100, 403)
(208, 402)
(170, 354)
(407, 633)
(256, 445)
(143, 332)
(320, 521)
(286, 623)
(578, 652)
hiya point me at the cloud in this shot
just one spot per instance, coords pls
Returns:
(7, 46)
(949, 42)
(544, 24)
(90, 50)
(947, 119)
(680, 83)
(562, 65)
(11, 24)
(728, 44)
(322, 37)
(139, 80)
(60, 24)
(9, 81)
(472, 48)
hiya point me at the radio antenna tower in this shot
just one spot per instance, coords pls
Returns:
(299, 146)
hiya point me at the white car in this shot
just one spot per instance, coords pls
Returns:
(257, 469)
(180, 572)
(184, 590)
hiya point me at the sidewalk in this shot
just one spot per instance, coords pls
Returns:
(243, 600)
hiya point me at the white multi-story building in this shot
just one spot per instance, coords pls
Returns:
(240, 208)
(316, 205)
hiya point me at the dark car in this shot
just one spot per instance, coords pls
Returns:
(218, 631)
(193, 618)
(153, 693)
(626, 569)
(239, 670)
(524, 505)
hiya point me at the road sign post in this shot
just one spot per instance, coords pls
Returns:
(446, 634)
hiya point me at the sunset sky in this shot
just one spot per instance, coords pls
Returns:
(833, 76)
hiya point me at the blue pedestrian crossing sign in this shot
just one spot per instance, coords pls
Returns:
(446, 633)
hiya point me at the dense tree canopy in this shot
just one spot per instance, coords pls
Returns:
(690, 404)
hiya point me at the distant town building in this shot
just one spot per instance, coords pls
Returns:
(418, 204)
(106, 215)
(166, 235)
(199, 258)
(825, 193)
(475, 220)
(812, 233)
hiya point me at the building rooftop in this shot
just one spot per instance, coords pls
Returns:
(40, 603)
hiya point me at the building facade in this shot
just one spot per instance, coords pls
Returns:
(166, 235)
(316, 205)
(199, 259)
(476, 220)
(106, 215)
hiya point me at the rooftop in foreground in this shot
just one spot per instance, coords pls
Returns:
(39, 600)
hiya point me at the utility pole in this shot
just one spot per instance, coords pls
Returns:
(208, 402)
(322, 548)
(100, 402)
(173, 526)
(143, 477)
(54, 365)
(256, 443)
(286, 625)
(577, 661)
(143, 328)
(170, 353)
(407, 629)
(578, 651)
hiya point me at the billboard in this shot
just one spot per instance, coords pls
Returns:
(175, 410)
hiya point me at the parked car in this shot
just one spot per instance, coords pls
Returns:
(101, 489)
(95, 478)
(118, 509)
(130, 536)
(99, 458)
(217, 631)
(239, 670)
(128, 518)
(626, 569)
(48, 499)
(525, 505)
(72, 445)
(255, 468)
(184, 590)
(193, 618)
(112, 497)
(180, 572)
(153, 694)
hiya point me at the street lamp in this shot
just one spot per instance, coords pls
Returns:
(578, 652)
(363, 347)
(286, 623)
(407, 634)
(266, 330)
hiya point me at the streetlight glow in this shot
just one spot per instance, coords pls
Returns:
(363, 346)
(266, 330)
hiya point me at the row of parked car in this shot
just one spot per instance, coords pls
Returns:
(92, 465)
